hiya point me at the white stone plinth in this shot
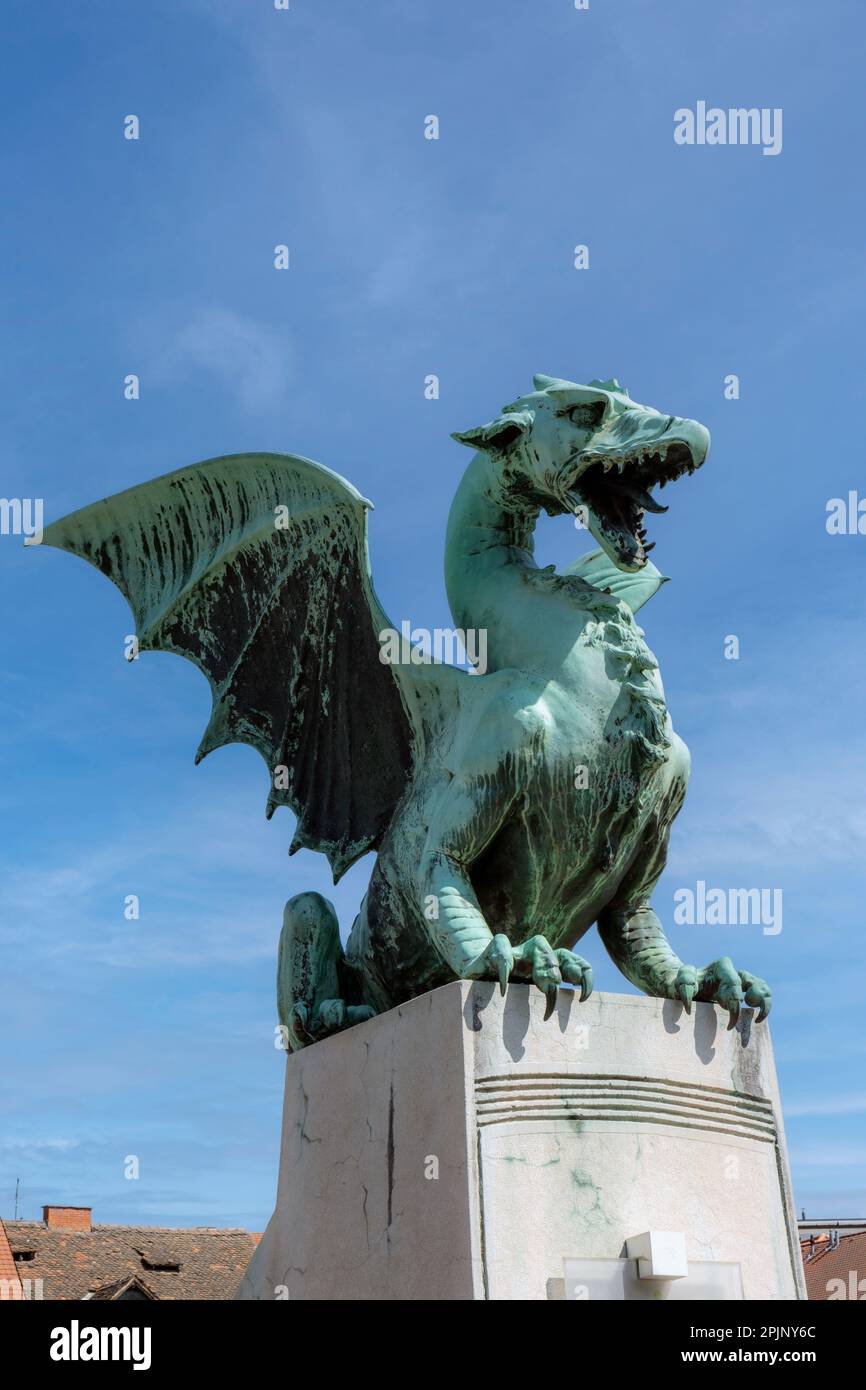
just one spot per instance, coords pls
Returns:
(460, 1147)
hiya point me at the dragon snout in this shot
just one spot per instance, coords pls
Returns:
(689, 443)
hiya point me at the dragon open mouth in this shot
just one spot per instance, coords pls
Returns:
(618, 493)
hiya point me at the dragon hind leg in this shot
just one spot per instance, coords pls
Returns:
(311, 1000)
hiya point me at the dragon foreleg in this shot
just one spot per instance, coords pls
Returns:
(635, 940)
(469, 816)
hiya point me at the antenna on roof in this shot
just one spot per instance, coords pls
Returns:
(17, 1185)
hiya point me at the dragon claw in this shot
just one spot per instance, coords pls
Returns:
(758, 994)
(534, 959)
(330, 1017)
(496, 962)
(549, 967)
(299, 1024)
(721, 983)
(576, 971)
(685, 986)
(538, 959)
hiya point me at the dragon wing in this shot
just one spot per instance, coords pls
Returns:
(255, 567)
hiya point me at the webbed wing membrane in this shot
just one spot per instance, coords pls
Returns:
(255, 567)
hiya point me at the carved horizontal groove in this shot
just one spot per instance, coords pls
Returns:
(602, 1091)
(648, 1119)
(625, 1099)
(605, 1078)
(619, 1099)
(659, 1114)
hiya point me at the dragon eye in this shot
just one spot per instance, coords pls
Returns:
(586, 415)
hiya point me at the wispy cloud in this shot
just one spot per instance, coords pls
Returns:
(791, 817)
(71, 915)
(830, 1156)
(28, 1145)
(251, 359)
(830, 1105)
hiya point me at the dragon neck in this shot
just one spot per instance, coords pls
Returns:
(494, 584)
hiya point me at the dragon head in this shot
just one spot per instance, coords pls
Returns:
(590, 450)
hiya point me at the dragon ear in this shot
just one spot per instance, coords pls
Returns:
(497, 436)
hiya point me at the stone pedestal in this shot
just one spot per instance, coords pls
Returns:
(461, 1147)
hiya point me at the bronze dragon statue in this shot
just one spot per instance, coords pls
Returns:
(511, 809)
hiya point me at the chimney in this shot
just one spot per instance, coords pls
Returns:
(67, 1218)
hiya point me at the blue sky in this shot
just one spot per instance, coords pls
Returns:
(408, 257)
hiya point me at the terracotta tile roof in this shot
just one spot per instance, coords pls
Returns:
(10, 1283)
(835, 1271)
(201, 1262)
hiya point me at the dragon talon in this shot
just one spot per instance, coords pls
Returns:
(720, 983)
(758, 994)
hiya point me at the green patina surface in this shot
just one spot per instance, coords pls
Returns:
(510, 810)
